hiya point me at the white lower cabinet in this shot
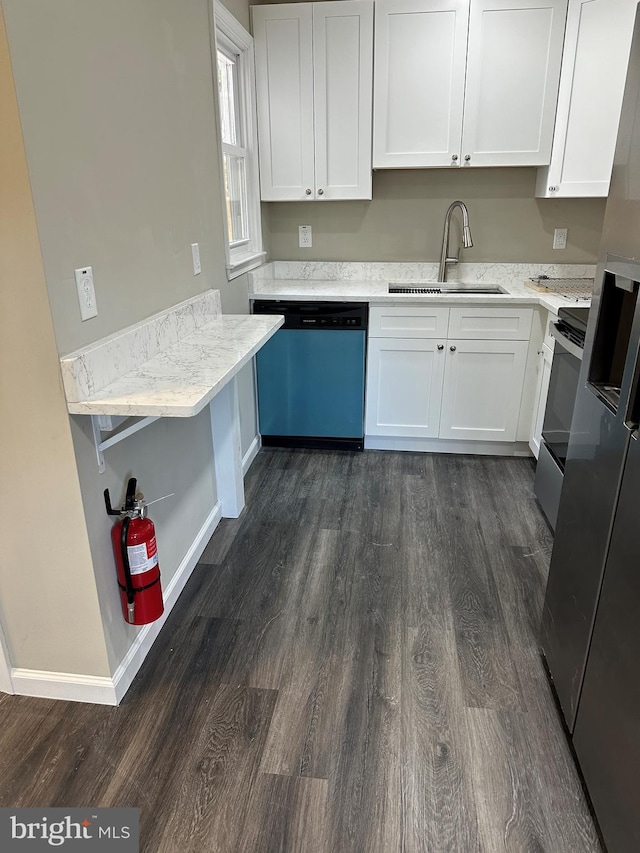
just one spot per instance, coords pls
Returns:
(404, 386)
(482, 389)
(542, 389)
(462, 388)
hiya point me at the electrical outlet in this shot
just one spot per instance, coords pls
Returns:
(560, 238)
(304, 236)
(195, 254)
(86, 293)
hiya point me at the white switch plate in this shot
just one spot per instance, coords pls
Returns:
(560, 238)
(304, 236)
(86, 293)
(195, 254)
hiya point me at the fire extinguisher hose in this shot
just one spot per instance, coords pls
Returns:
(124, 533)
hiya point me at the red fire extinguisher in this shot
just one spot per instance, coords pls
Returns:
(136, 553)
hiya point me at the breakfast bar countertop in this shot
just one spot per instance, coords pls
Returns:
(171, 365)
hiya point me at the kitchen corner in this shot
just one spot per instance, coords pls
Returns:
(456, 372)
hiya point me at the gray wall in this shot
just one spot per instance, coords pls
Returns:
(120, 134)
(172, 456)
(46, 577)
(403, 221)
(240, 10)
(117, 105)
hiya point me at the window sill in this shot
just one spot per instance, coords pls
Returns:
(244, 264)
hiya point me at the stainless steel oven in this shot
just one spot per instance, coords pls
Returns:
(569, 333)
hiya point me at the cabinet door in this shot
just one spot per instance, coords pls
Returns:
(284, 90)
(420, 57)
(542, 389)
(513, 69)
(589, 98)
(343, 69)
(404, 387)
(482, 389)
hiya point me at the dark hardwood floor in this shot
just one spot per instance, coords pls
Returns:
(352, 667)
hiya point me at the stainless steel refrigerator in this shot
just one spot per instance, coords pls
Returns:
(591, 621)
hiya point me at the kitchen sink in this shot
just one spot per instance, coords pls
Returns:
(436, 287)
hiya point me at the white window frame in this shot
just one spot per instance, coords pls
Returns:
(231, 36)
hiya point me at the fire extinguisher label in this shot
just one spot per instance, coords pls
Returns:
(143, 558)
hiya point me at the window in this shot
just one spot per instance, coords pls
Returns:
(236, 93)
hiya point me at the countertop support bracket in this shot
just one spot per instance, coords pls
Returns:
(100, 424)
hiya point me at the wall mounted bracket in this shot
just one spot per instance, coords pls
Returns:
(108, 423)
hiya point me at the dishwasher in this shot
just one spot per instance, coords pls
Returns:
(311, 374)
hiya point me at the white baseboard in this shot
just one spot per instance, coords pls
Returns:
(109, 691)
(250, 455)
(444, 445)
(64, 685)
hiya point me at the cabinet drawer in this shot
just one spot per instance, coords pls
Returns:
(410, 322)
(482, 323)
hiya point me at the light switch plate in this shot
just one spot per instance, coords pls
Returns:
(86, 293)
(195, 254)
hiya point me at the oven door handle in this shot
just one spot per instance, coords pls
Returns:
(571, 348)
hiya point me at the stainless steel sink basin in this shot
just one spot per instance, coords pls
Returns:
(436, 287)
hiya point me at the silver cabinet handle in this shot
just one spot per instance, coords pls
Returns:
(320, 192)
(452, 348)
(454, 157)
(308, 191)
(553, 189)
(467, 157)
(440, 347)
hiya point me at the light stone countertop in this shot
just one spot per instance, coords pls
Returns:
(186, 364)
(277, 281)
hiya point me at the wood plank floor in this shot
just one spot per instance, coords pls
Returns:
(352, 667)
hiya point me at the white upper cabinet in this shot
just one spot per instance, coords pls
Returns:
(594, 68)
(283, 39)
(466, 84)
(420, 60)
(314, 88)
(513, 69)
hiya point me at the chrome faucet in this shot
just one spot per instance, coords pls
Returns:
(467, 242)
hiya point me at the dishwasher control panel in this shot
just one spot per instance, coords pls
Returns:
(346, 316)
(331, 321)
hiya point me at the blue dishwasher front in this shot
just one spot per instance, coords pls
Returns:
(310, 375)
